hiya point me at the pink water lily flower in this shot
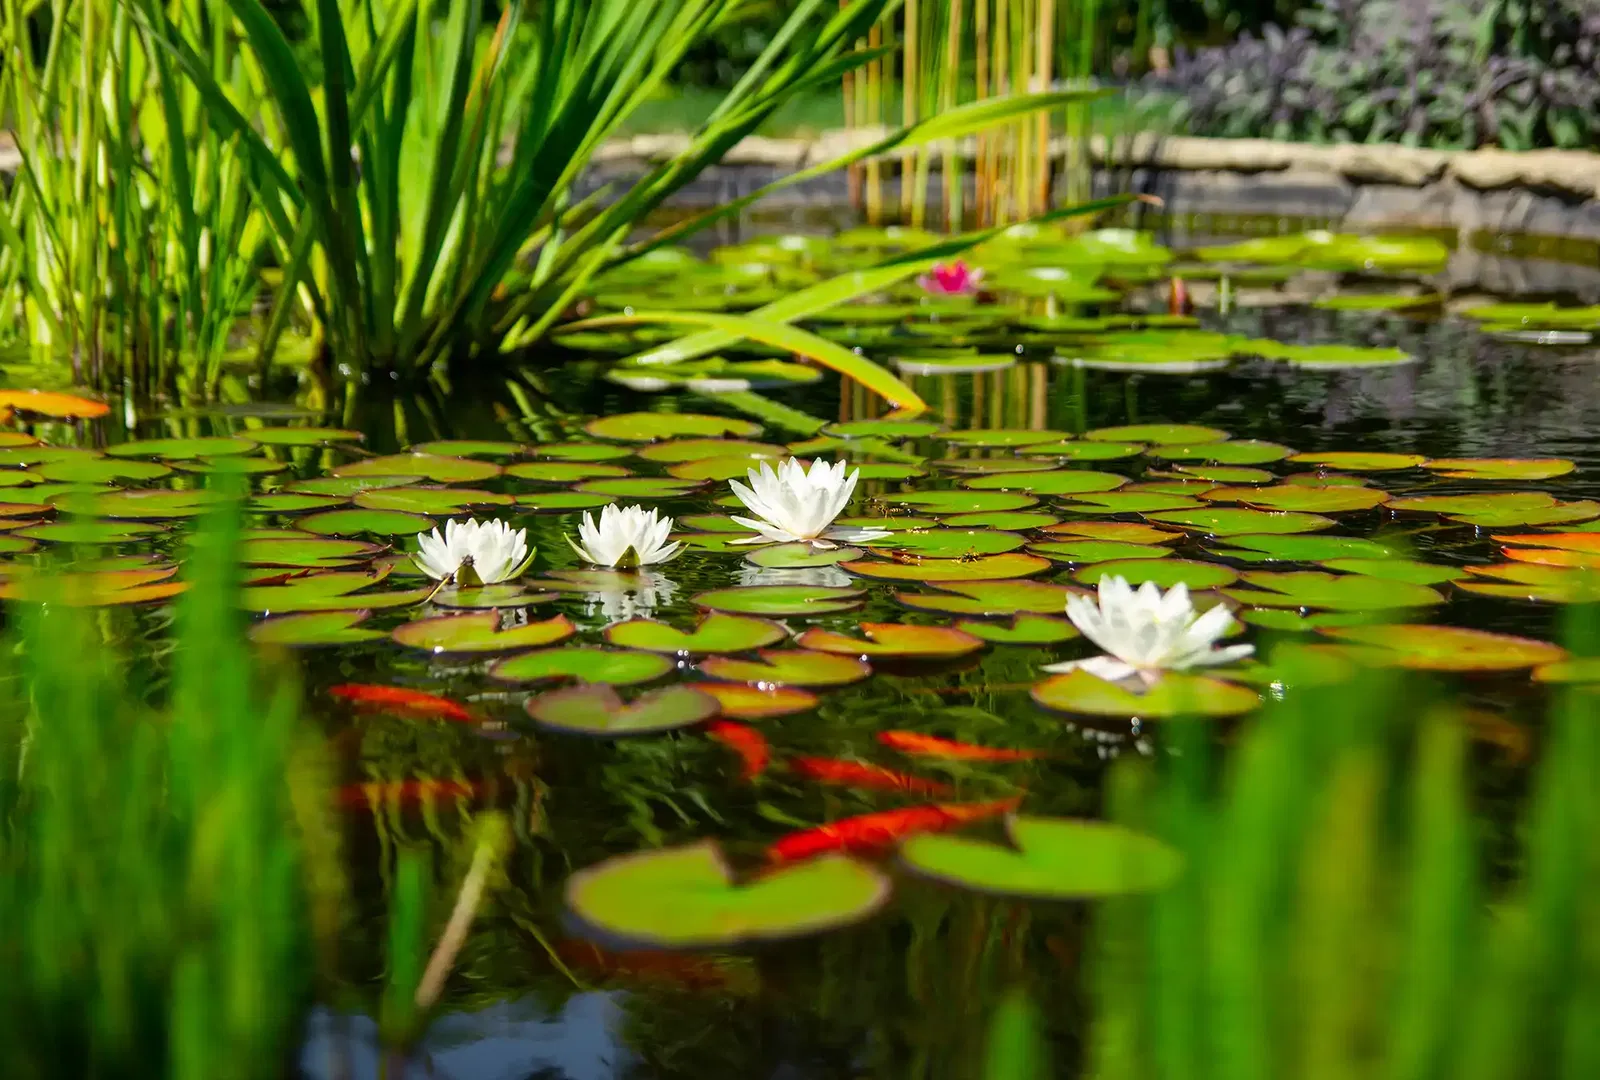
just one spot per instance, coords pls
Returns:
(951, 279)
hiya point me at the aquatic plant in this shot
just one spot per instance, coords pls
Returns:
(1147, 632)
(628, 537)
(474, 552)
(793, 503)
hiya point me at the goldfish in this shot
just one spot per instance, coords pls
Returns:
(867, 833)
(406, 792)
(398, 699)
(644, 966)
(746, 741)
(910, 742)
(859, 774)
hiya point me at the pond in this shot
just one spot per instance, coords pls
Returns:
(1395, 464)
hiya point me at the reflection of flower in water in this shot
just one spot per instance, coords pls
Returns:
(650, 591)
(824, 576)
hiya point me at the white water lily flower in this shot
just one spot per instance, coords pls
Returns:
(1146, 632)
(471, 553)
(626, 537)
(792, 504)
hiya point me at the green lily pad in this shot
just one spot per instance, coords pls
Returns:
(1164, 572)
(565, 472)
(1583, 669)
(214, 446)
(372, 522)
(555, 502)
(1330, 356)
(13, 457)
(304, 436)
(1125, 532)
(614, 667)
(1227, 474)
(781, 600)
(1002, 437)
(1334, 592)
(441, 470)
(109, 588)
(1232, 452)
(883, 470)
(1378, 302)
(897, 640)
(684, 898)
(1522, 469)
(641, 487)
(289, 502)
(1557, 514)
(1305, 622)
(1324, 480)
(100, 470)
(649, 426)
(963, 502)
(582, 451)
(1048, 859)
(597, 710)
(899, 522)
(799, 556)
(982, 568)
(992, 599)
(19, 478)
(306, 552)
(315, 628)
(1408, 570)
(1022, 630)
(787, 667)
(1448, 648)
(1003, 521)
(1297, 497)
(1083, 451)
(232, 466)
(343, 487)
(958, 362)
(481, 632)
(1360, 460)
(470, 448)
(334, 590)
(1545, 316)
(714, 523)
(439, 502)
(1096, 551)
(700, 449)
(1058, 482)
(1158, 434)
(137, 505)
(1491, 503)
(1173, 695)
(1132, 502)
(1310, 548)
(1225, 522)
(717, 633)
(490, 597)
(948, 543)
(88, 532)
(882, 429)
(716, 469)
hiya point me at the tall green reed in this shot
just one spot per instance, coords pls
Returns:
(167, 876)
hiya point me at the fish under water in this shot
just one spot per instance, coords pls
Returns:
(862, 775)
(871, 833)
(402, 701)
(911, 742)
(754, 752)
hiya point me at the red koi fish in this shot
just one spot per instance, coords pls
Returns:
(398, 700)
(747, 742)
(869, 833)
(405, 792)
(861, 775)
(642, 966)
(910, 742)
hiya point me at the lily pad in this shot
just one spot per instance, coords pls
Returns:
(137, 505)
(1227, 474)
(1558, 514)
(614, 667)
(1523, 469)
(316, 628)
(882, 429)
(481, 632)
(799, 556)
(1022, 630)
(1158, 434)
(1057, 482)
(555, 502)
(947, 543)
(592, 709)
(1297, 497)
(897, 640)
(1226, 522)
(100, 470)
(565, 472)
(1096, 551)
(330, 591)
(232, 466)
(1128, 532)
(1003, 521)
(1173, 695)
(641, 487)
(1581, 669)
(213, 446)
(582, 451)
(1132, 502)
(963, 502)
(982, 568)
(371, 522)
(684, 898)
(1333, 592)
(992, 599)
(1047, 859)
(1408, 570)
(1449, 648)
(304, 436)
(343, 487)
(441, 470)
(1310, 548)
(89, 532)
(781, 600)
(1083, 451)
(1164, 572)
(471, 448)
(679, 450)
(306, 552)
(1232, 452)
(989, 437)
(489, 597)
(650, 426)
(107, 588)
(1330, 356)
(741, 701)
(787, 667)
(717, 633)
(1360, 460)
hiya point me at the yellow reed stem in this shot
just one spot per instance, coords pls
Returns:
(981, 64)
(853, 172)
(948, 89)
(1005, 153)
(911, 196)
(1043, 65)
(874, 113)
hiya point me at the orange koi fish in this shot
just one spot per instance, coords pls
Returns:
(677, 969)
(869, 833)
(405, 792)
(859, 774)
(910, 742)
(399, 700)
(747, 742)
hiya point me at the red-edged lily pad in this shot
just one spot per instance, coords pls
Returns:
(638, 487)
(592, 709)
(1448, 648)
(963, 502)
(982, 568)
(443, 502)
(898, 640)
(1215, 521)
(992, 599)
(788, 667)
(370, 522)
(1083, 451)
(798, 556)
(1056, 482)
(1360, 460)
(481, 632)
(1128, 532)
(132, 505)
(781, 600)
(441, 470)
(343, 487)
(1093, 551)
(1131, 502)
(1522, 469)
(1022, 630)
(1408, 570)
(947, 543)
(565, 472)
(1232, 452)
(1164, 572)
(717, 633)
(1297, 497)
(106, 588)
(679, 450)
(307, 552)
(1281, 548)
(315, 628)
(742, 701)
(991, 437)
(1332, 592)
(614, 667)
(1081, 693)
(472, 448)
(1159, 434)
(1004, 520)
